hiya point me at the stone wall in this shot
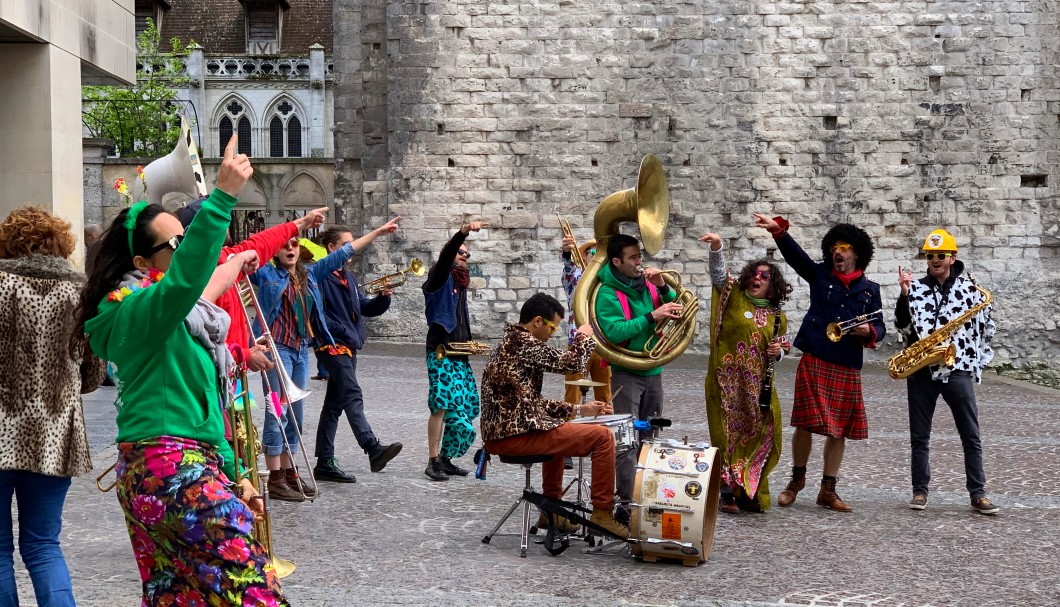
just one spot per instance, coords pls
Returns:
(898, 116)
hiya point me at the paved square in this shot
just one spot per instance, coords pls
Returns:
(396, 538)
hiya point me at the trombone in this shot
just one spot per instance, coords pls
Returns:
(288, 392)
(375, 287)
(576, 255)
(836, 330)
(462, 348)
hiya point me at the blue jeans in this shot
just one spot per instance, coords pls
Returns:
(40, 519)
(296, 362)
(343, 396)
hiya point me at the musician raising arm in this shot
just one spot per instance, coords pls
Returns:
(747, 331)
(925, 306)
(517, 420)
(147, 307)
(452, 397)
(828, 398)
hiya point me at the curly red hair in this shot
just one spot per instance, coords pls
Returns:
(32, 229)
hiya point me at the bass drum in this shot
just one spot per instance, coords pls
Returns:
(676, 499)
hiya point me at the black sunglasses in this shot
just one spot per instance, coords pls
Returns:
(464, 253)
(172, 243)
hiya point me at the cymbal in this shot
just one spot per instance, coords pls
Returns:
(584, 383)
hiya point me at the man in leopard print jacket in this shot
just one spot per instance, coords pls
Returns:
(924, 307)
(517, 420)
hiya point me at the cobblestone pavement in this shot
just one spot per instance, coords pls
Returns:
(395, 538)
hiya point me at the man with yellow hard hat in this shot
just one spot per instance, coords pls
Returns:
(943, 301)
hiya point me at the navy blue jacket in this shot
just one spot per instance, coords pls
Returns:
(345, 308)
(830, 301)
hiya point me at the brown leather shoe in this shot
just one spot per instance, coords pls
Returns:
(796, 484)
(606, 520)
(827, 497)
(559, 522)
(293, 480)
(280, 490)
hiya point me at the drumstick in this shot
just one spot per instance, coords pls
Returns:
(613, 395)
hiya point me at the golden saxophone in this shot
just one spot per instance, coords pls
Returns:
(933, 349)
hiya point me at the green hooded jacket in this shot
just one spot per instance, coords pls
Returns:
(613, 322)
(169, 384)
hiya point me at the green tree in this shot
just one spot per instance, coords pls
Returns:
(142, 120)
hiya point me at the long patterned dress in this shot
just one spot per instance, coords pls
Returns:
(749, 442)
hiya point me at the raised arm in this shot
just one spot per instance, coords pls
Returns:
(715, 260)
(159, 310)
(387, 228)
(792, 252)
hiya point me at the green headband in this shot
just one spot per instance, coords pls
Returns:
(130, 221)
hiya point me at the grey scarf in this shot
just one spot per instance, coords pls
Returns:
(207, 323)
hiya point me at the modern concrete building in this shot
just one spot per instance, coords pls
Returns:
(50, 48)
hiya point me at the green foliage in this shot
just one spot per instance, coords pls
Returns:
(142, 120)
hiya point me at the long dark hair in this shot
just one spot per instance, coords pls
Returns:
(779, 289)
(108, 261)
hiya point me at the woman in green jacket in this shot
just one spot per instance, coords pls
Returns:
(147, 308)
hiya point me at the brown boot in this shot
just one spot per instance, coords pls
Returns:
(827, 497)
(293, 480)
(797, 482)
(280, 490)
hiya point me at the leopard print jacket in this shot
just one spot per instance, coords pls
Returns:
(41, 416)
(511, 384)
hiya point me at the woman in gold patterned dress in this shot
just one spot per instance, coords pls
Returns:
(747, 331)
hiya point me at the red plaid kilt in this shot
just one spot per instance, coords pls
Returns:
(828, 400)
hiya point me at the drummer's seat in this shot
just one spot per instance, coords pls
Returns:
(527, 462)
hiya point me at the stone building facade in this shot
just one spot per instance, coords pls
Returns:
(260, 69)
(897, 116)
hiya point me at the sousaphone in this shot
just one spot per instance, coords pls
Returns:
(648, 205)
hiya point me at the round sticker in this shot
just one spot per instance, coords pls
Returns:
(702, 466)
(693, 489)
(748, 315)
(676, 462)
(667, 492)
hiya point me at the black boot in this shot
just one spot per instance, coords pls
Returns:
(452, 469)
(382, 454)
(434, 470)
(327, 469)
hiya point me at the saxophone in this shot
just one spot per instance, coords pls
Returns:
(933, 349)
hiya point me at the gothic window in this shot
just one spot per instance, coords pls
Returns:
(234, 119)
(285, 132)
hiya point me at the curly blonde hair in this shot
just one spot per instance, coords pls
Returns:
(32, 229)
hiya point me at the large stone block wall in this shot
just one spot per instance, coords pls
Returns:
(897, 116)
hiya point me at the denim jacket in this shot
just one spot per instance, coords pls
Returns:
(272, 281)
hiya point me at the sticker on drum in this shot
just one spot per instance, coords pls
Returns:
(676, 462)
(702, 466)
(671, 526)
(693, 489)
(667, 491)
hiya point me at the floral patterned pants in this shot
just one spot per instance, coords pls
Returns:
(190, 535)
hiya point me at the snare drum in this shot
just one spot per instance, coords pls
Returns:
(676, 496)
(621, 427)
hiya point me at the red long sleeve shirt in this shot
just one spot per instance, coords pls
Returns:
(267, 243)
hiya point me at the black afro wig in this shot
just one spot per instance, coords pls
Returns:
(852, 235)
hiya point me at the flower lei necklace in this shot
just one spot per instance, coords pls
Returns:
(153, 276)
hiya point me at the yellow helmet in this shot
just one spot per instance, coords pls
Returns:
(939, 240)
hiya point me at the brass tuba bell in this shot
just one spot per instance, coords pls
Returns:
(648, 205)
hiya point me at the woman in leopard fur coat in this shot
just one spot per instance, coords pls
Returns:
(43, 441)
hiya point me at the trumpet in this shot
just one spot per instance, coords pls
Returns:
(836, 330)
(375, 287)
(462, 348)
(575, 256)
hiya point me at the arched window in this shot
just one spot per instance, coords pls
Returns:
(234, 112)
(285, 132)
